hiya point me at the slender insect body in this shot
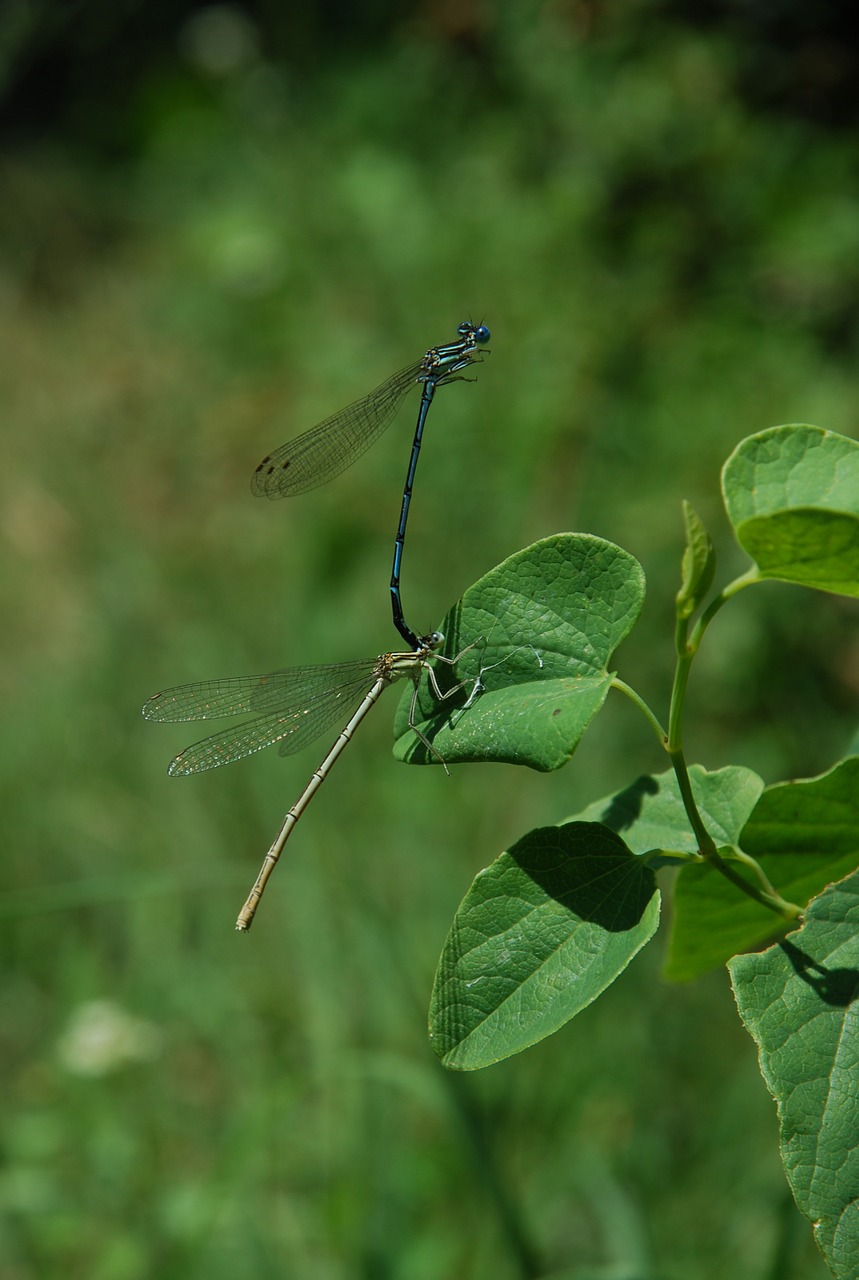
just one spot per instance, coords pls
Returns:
(291, 708)
(323, 452)
(291, 725)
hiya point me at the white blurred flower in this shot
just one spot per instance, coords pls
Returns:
(101, 1037)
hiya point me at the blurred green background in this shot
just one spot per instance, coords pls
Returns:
(218, 225)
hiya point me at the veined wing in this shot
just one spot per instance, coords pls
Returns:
(285, 691)
(293, 727)
(320, 454)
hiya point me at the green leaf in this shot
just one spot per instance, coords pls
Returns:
(803, 835)
(792, 495)
(651, 817)
(699, 564)
(713, 920)
(650, 813)
(539, 935)
(797, 1001)
(810, 827)
(537, 632)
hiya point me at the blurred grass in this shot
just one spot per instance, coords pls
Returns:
(663, 273)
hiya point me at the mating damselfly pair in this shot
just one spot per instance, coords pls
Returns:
(292, 707)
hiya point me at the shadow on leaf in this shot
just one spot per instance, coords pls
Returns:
(834, 986)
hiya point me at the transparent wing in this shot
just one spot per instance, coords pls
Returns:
(325, 450)
(293, 727)
(285, 691)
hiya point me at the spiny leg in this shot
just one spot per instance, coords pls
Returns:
(438, 694)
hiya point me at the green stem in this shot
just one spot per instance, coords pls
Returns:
(687, 646)
(746, 579)
(706, 843)
(764, 893)
(772, 901)
(754, 865)
(770, 892)
(636, 698)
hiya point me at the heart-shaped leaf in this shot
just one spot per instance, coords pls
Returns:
(532, 641)
(792, 495)
(650, 816)
(803, 835)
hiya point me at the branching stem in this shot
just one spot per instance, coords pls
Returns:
(687, 643)
(687, 646)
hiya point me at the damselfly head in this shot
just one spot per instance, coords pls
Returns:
(475, 333)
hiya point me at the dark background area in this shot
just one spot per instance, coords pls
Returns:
(81, 70)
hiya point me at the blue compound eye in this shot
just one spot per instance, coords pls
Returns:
(481, 333)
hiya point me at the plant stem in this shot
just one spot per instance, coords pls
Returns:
(649, 715)
(754, 865)
(772, 901)
(746, 579)
(771, 894)
(687, 646)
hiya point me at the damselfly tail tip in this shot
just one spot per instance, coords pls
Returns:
(246, 915)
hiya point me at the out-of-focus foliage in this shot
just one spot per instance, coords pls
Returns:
(219, 224)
